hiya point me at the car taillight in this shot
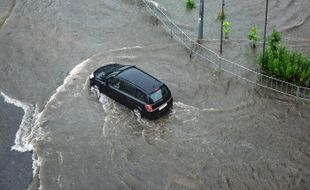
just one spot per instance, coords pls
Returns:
(148, 108)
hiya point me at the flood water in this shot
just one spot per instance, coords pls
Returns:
(222, 133)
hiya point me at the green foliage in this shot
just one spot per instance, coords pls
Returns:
(190, 4)
(284, 64)
(226, 29)
(253, 36)
(221, 16)
(275, 39)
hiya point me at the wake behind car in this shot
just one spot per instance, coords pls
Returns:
(144, 94)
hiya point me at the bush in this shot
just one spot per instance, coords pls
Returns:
(221, 16)
(284, 64)
(190, 4)
(275, 39)
(226, 29)
(253, 36)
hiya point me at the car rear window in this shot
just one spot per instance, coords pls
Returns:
(159, 94)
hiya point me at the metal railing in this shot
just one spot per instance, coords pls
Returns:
(233, 68)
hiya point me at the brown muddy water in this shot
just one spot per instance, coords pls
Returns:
(222, 133)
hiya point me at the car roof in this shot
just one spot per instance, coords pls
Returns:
(139, 78)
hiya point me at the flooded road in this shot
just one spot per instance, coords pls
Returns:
(222, 133)
(91, 143)
(43, 41)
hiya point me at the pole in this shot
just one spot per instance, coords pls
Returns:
(222, 21)
(201, 15)
(265, 30)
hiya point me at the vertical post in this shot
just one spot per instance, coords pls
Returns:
(219, 63)
(266, 17)
(191, 50)
(222, 21)
(201, 15)
(298, 92)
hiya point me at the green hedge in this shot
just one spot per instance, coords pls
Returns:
(284, 64)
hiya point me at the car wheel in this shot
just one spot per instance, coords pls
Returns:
(137, 113)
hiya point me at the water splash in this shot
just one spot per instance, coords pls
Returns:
(68, 80)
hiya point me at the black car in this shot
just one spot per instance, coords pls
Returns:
(145, 95)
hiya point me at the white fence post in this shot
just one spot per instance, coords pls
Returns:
(191, 50)
(298, 92)
(219, 60)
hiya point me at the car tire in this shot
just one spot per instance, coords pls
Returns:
(137, 113)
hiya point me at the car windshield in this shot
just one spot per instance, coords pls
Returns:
(159, 94)
(113, 73)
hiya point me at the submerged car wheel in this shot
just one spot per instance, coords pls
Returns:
(137, 113)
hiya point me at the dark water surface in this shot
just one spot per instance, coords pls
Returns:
(15, 167)
(223, 133)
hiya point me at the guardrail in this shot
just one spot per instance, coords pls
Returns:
(233, 68)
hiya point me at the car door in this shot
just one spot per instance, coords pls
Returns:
(141, 99)
(112, 89)
(127, 94)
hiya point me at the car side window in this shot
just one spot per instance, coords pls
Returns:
(114, 82)
(127, 88)
(140, 95)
